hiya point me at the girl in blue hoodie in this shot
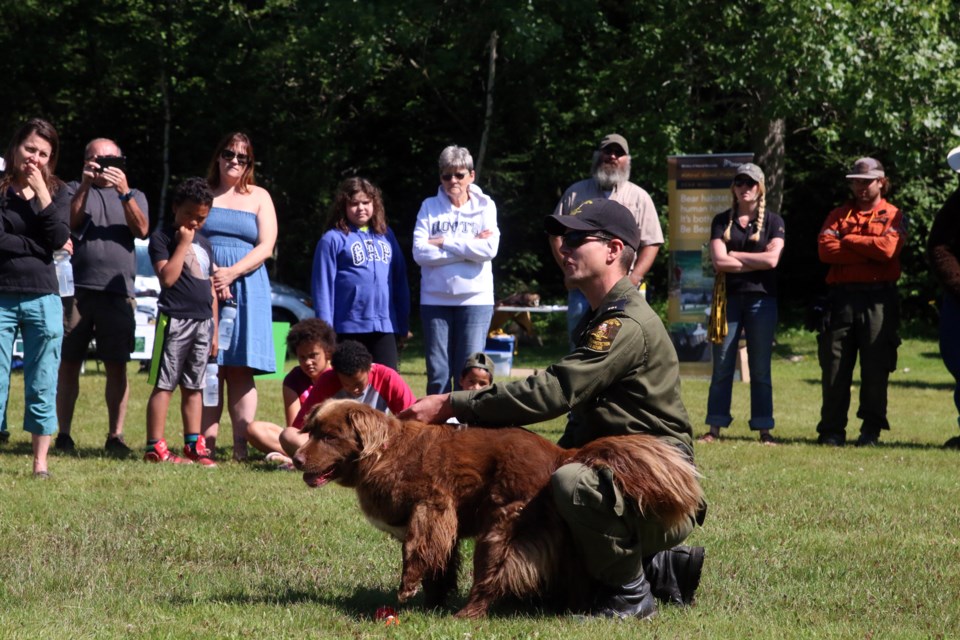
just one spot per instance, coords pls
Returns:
(359, 275)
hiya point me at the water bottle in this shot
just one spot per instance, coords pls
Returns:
(211, 384)
(61, 260)
(228, 316)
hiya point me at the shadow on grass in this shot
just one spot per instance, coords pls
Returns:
(904, 384)
(812, 440)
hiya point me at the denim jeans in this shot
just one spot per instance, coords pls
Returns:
(450, 335)
(950, 342)
(40, 320)
(757, 315)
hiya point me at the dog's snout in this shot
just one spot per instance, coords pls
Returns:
(298, 461)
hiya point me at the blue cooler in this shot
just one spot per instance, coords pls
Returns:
(500, 350)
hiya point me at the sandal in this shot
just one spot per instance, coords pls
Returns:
(708, 437)
(768, 439)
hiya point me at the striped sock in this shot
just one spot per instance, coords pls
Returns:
(190, 439)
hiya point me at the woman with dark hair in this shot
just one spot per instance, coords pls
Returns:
(745, 245)
(455, 241)
(242, 228)
(359, 274)
(34, 222)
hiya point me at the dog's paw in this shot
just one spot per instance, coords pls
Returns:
(406, 593)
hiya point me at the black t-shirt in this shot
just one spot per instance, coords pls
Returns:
(762, 282)
(190, 296)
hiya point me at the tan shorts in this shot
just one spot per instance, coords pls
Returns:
(108, 317)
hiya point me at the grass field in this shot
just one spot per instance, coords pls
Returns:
(802, 541)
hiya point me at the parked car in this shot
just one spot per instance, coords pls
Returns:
(287, 303)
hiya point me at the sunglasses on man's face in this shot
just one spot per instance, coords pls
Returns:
(459, 175)
(744, 182)
(575, 239)
(228, 155)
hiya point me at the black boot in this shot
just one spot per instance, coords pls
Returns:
(632, 600)
(674, 574)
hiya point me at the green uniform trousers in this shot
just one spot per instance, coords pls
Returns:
(612, 536)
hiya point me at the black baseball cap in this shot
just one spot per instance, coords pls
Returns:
(599, 215)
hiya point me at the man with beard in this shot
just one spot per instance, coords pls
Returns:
(861, 242)
(611, 179)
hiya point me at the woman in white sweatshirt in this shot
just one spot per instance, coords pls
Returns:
(454, 241)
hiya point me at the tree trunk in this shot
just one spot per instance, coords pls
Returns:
(770, 148)
(488, 116)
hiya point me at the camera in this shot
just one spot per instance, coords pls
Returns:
(120, 162)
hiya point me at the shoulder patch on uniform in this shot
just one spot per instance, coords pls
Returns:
(602, 335)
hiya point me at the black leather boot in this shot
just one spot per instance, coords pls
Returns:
(632, 600)
(674, 574)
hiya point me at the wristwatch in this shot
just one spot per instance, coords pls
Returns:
(126, 197)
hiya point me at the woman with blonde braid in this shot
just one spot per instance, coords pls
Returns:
(745, 246)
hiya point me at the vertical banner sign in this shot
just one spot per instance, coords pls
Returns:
(698, 188)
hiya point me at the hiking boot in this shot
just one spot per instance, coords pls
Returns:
(831, 439)
(115, 446)
(674, 574)
(868, 439)
(632, 600)
(199, 453)
(64, 442)
(952, 443)
(160, 453)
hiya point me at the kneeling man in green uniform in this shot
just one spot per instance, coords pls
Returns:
(621, 379)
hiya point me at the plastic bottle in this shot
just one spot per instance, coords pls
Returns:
(228, 315)
(211, 384)
(61, 260)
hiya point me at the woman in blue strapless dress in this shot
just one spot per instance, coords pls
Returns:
(242, 228)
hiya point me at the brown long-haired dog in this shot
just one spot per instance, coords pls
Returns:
(431, 485)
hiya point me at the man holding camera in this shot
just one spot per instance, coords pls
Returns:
(105, 217)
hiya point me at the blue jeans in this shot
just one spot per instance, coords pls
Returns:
(450, 335)
(950, 342)
(40, 320)
(757, 315)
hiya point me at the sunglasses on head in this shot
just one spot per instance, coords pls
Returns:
(228, 155)
(743, 182)
(574, 239)
(459, 175)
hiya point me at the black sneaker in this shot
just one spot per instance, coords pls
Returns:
(831, 440)
(115, 446)
(64, 442)
(868, 439)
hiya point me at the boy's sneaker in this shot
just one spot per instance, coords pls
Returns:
(64, 442)
(160, 453)
(199, 453)
(115, 446)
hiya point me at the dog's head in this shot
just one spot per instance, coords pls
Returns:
(342, 434)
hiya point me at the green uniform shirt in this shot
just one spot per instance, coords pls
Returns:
(623, 378)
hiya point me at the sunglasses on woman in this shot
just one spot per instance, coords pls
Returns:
(575, 239)
(228, 155)
(744, 182)
(459, 175)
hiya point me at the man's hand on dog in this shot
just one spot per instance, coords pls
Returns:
(433, 409)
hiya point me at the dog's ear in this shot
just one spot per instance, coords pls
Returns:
(311, 422)
(371, 427)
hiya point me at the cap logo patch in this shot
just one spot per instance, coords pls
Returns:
(580, 206)
(601, 338)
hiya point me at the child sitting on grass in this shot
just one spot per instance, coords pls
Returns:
(187, 326)
(477, 372)
(313, 341)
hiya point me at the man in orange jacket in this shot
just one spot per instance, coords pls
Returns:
(861, 242)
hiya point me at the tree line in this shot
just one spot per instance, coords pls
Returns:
(333, 88)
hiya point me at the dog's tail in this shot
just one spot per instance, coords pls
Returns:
(655, 475)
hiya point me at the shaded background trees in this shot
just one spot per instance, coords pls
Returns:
(330, 89)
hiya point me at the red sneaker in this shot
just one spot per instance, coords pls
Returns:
(199, 453)
(160, 453)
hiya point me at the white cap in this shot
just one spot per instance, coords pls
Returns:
(953, 159)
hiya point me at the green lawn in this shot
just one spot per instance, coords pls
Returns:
(802, 541)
